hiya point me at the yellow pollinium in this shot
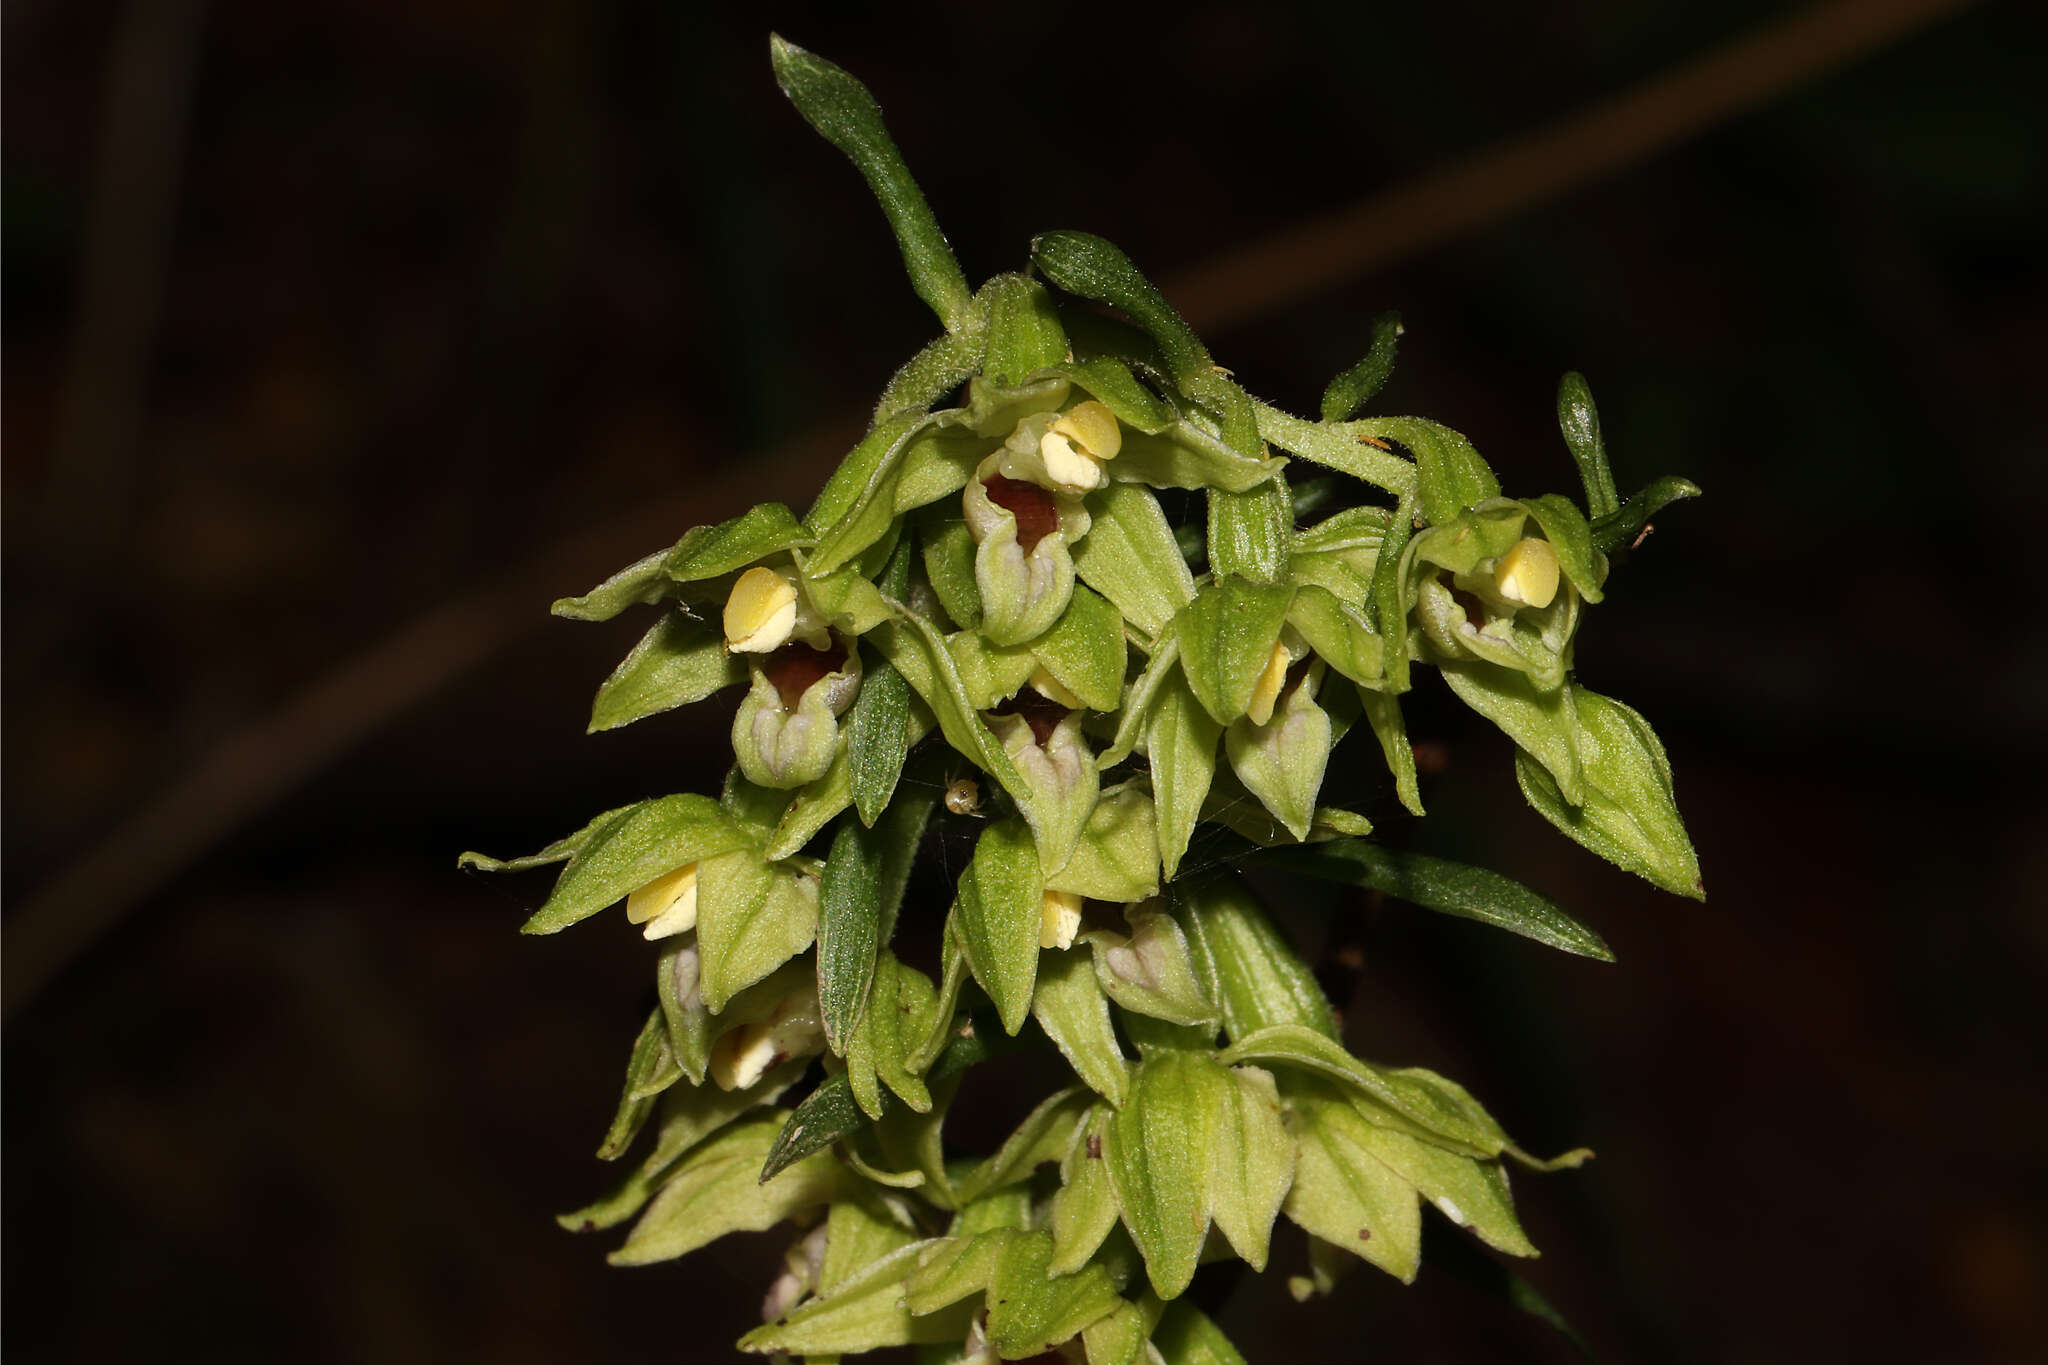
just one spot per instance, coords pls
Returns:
(1527, 574)
(1266, 692)
(1059, 919)
(1075, 446)
(1093, 428)
(1052, 689)
(667, 905)
(760, 616)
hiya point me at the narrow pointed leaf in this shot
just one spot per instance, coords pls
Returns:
(841, 109)
(849, 923)
(1251, 1160)
(1579, 420)
(1450, 888)
(642, 583)
(1180, 744)
(1354, 388)
(1091, 268)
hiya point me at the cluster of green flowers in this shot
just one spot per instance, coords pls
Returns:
(987, 622)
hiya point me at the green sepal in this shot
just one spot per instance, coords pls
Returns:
(1383, 713)
(949, 564)
(1129, 556)
(1084, 1210)
(1246, 965)
(884, 1048)
(1450, 888)
(560, 851)
(752, 536)
(1627, 812)
(689, 1114)
(1030, 1309)
(1156, 1150)
(996, 917)
(1070, 1006)
(857, 506)
(1579, 420)
(1024, 332)
(651, 1070)
(843, 111)
(714, 1191)
(1354, 388)
(1117, 855)
(1338, 633)
(1184, 455)
(1572, 541)
(1471, 1192)
(942, 366)
(1120, 1337)
(1282, 762)
(1389, 595)
(1251, 1160)
(1180, 745)
(1110, 382)
(752, 916)
(635, 846)
(1425, 1104)
(642, 583)
(1226, 636)
(680, 661)
(1342, 1192)
(989, 674)
(1251, 534)
(1084, 650)
(1543, 724)
(864, 1312)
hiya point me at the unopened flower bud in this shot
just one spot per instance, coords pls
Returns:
(1527, 574)
(745, 1053)
(1059, 919)
(767, 608)
(667, 905)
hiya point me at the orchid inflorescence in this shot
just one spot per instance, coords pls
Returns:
(988, 601)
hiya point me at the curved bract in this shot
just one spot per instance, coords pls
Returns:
(988, 600)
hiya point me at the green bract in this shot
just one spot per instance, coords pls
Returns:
(986, 651)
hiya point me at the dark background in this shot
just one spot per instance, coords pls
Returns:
(334, 328)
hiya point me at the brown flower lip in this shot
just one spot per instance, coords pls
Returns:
(1042, 714)
(1036, 513)
(796, 666)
